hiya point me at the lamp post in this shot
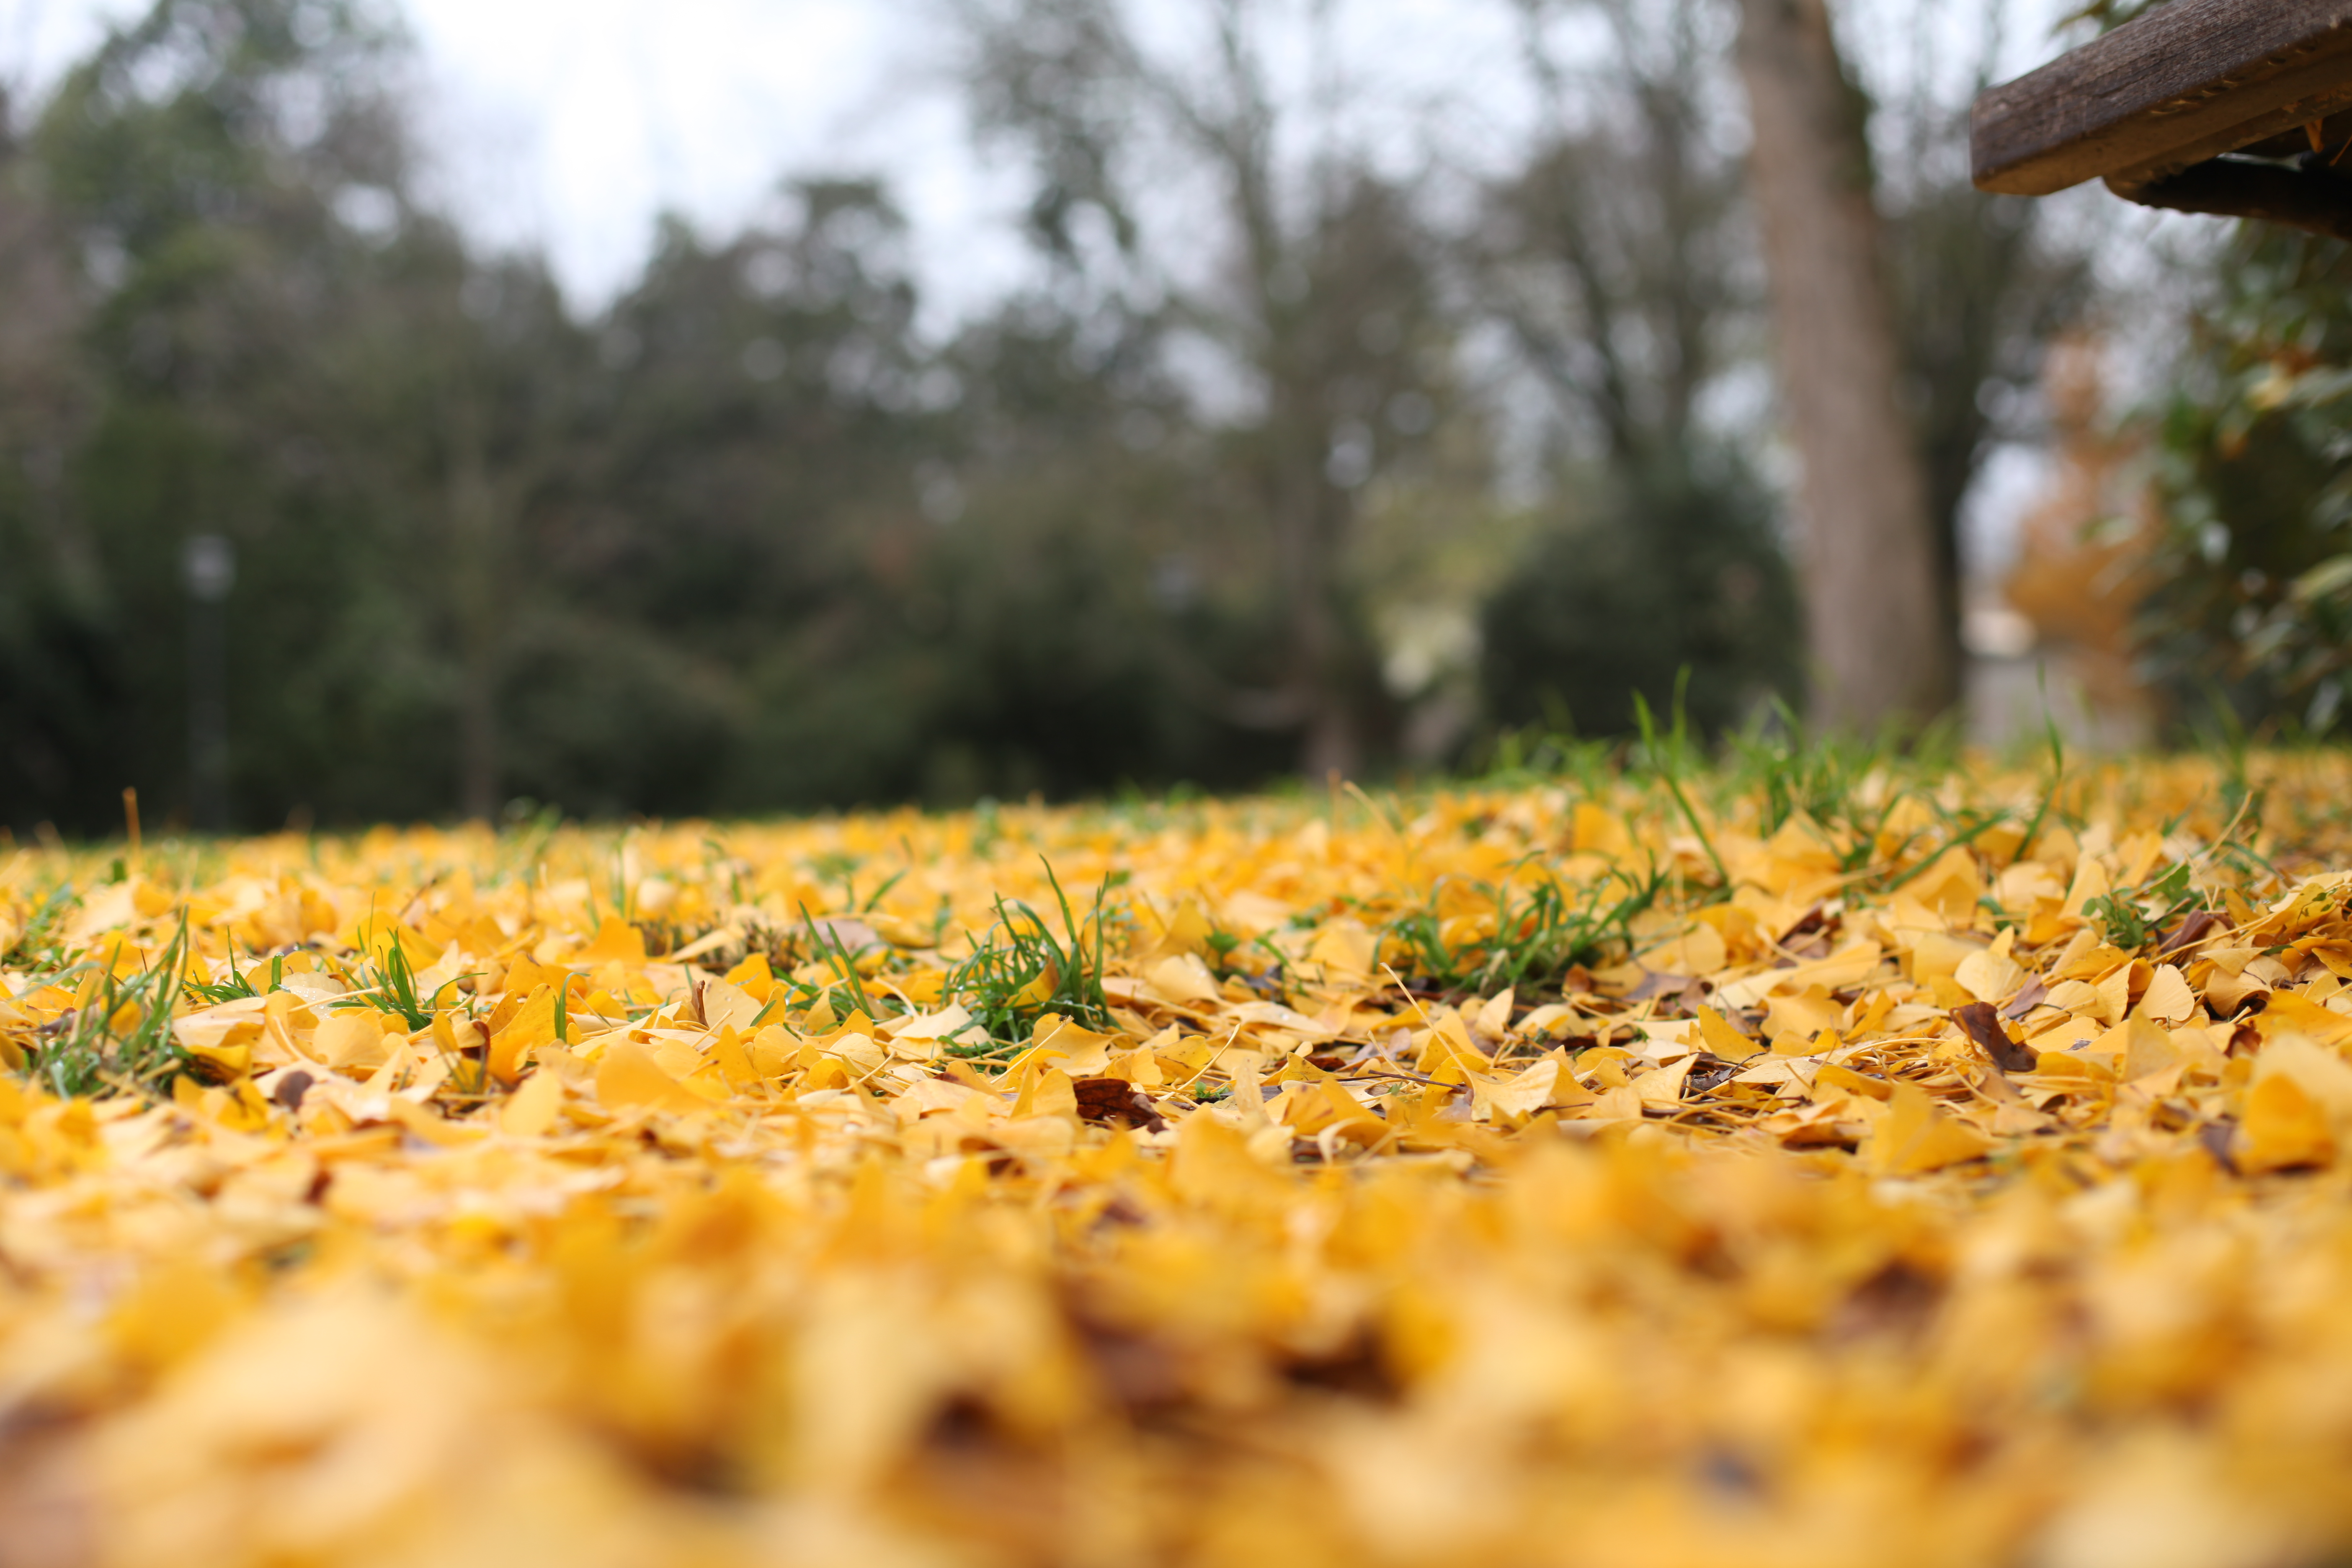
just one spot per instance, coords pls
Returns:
(208, 564)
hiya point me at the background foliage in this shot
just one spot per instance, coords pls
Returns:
(1332, 472)
(2250, 618)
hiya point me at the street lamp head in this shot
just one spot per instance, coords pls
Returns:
(209, 563)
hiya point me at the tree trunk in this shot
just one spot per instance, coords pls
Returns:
(1881, 638)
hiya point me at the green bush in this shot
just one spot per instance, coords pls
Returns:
(1678, 570)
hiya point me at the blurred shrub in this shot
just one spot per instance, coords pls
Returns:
(1675, 570)
(2251, 614)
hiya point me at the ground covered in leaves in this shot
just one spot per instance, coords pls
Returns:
(1812, 1160)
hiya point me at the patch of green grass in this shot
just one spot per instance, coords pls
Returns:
(1790, 774)
(237, 986)
(389, 982)
(2131, 918)
(38, 940)
(1822, 778)
(2057, 744)
(1540, 753)
(1541, 932)
(89, 1055)
(999, 985)
(1667, 755)
(835, 953)
(530, 828)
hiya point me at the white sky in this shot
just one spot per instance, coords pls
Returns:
(570, 123)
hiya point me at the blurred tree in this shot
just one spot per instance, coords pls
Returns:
(206, 162)
(1616, 257)
(2080, 575)
(1881, 641)
(745, 539)
(1673, 573)
(1983, 286)
(55, 680)
(798, 335)
(1618, 254)
(749, 496)
(456, 385)
(1621, 261)
(2246, 620)
(1318, 305)
(287, 352)
(1078, 585)
(902, 572)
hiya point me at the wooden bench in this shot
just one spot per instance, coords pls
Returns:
(2242, 108)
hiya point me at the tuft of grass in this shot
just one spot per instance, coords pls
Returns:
(38, 940)
(2131, 918)
(1539, 754)
(1822, 778)
(1020, 970)
(835, 953)
(530, 828)
(389, 982)
(836, 867)
(237, 986)
(91, 1054)
(1963, 826)
(1819, 777)
(2057, 769)
(1666, 755)
(1539, 937)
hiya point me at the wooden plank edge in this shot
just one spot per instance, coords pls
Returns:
(2141, 100)
(2294, 113)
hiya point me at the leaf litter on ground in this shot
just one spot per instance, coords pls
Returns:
(1813, 1159)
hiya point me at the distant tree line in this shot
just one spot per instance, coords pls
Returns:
(1322, 474)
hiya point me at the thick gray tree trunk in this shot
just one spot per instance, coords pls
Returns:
(1878, 630)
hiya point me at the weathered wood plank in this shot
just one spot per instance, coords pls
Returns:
(2188, 81)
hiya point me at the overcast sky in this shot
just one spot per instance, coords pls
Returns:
(570, 123)
(573, 123)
